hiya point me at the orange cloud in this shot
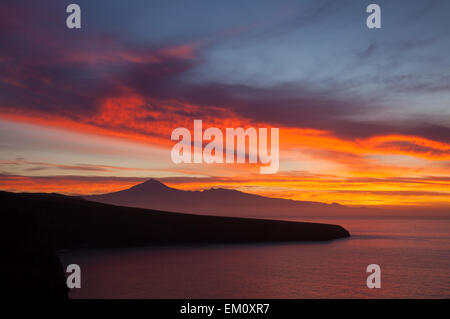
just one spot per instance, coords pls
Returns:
(297, 185)
(360, 177)
(65, 184)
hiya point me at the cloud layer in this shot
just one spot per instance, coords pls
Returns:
(348, 103)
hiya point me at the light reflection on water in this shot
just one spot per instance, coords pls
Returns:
(414, 256)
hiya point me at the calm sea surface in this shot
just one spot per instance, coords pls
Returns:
(414, 256)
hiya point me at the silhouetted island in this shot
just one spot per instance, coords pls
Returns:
(73, 222)
(153, 194)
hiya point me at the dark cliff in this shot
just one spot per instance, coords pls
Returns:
(71, 222)
(32, 267)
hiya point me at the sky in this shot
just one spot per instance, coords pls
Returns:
(364, 114)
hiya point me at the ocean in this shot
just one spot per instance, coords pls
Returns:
(414, 256)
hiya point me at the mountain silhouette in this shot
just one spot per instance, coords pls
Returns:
(152, 194)
(75, 223)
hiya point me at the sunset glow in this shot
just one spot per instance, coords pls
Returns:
(91, 113)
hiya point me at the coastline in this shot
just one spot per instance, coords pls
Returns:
(72, 222)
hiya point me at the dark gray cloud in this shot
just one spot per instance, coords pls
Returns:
(51, 70)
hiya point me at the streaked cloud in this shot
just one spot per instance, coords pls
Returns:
(349, 103)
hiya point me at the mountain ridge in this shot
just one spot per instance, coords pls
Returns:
(153, 194)
(75, 223)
